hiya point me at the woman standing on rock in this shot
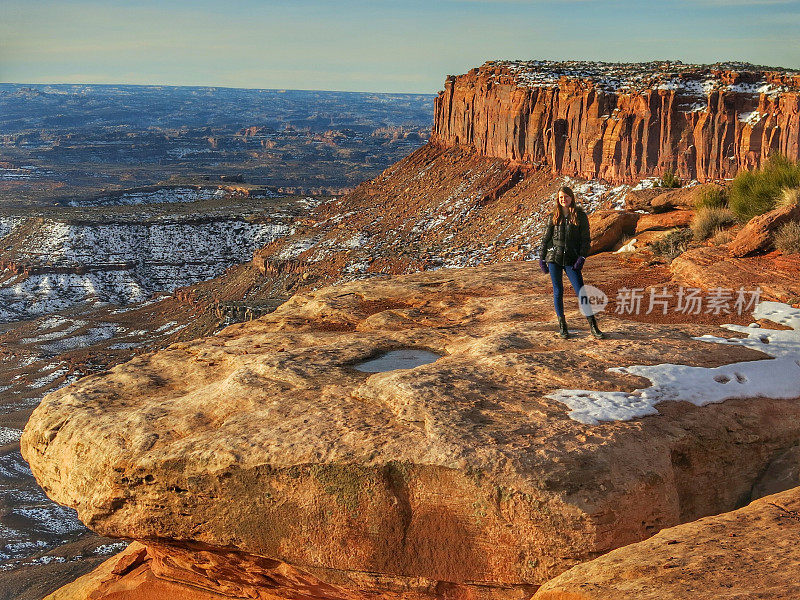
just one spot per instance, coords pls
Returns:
(565, 246)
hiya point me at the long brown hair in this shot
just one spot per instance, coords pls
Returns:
(572, 211)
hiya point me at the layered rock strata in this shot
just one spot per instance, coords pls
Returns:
(458, 479)
(623, 121)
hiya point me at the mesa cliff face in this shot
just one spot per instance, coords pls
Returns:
(623, 122)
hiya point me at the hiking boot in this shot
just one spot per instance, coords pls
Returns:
(562, 328)
(594, 328)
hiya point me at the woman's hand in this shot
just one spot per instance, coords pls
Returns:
(543, 266)
(579, 263)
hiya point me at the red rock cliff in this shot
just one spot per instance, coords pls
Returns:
(623, 122)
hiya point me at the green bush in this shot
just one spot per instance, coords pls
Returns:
(669, 180)
(787, 238)
(710, 196)
(756, 192)
(674, 243)
(708, 220)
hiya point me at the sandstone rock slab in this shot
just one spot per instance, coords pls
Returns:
(752, 552)
(665, 220)
(709, 267)
(264, 440)
(679, 198)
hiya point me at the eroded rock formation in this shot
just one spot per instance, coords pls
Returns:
(623, 122)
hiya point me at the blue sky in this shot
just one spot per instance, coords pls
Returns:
(376, 45)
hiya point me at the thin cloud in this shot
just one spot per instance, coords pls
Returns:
(741, 2)
(531, 2)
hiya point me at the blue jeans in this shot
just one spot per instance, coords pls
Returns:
(556, 275)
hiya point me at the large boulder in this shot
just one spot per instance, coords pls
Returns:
(679, 198)
(463, 478)
(641, 199)
(607, 227)
(756, 235)
(749, 553)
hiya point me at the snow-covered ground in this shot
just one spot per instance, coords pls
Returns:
(37, 519)
(159, 196)
(8, 224)
(123, 263)
(778, 377)
(8, 435)
(22, 173)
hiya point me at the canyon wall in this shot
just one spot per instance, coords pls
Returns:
(623, 122)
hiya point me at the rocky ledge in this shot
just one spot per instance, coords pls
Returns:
(747, 553)
(259, 462)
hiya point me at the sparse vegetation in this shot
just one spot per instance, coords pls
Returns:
(669, 180)
(787, 238)
(672, 244)
(710, 196)
(709, 220)
(756, 192)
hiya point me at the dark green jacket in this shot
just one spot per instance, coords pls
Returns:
(563, 244)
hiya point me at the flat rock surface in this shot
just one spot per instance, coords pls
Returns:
(264, 438)
(752, 553)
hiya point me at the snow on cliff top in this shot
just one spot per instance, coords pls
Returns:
(690, 79)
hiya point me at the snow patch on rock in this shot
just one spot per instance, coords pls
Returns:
(777, 378)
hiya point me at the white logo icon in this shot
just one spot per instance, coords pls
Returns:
(592, 300)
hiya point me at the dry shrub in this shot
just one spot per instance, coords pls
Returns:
(708, 220)
(789, 197)
(787, 238)
(710, 196)
(672, 244)
(721, 236)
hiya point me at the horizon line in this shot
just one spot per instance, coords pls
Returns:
(224, 87)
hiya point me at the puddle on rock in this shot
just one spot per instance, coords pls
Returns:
(405, 358)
